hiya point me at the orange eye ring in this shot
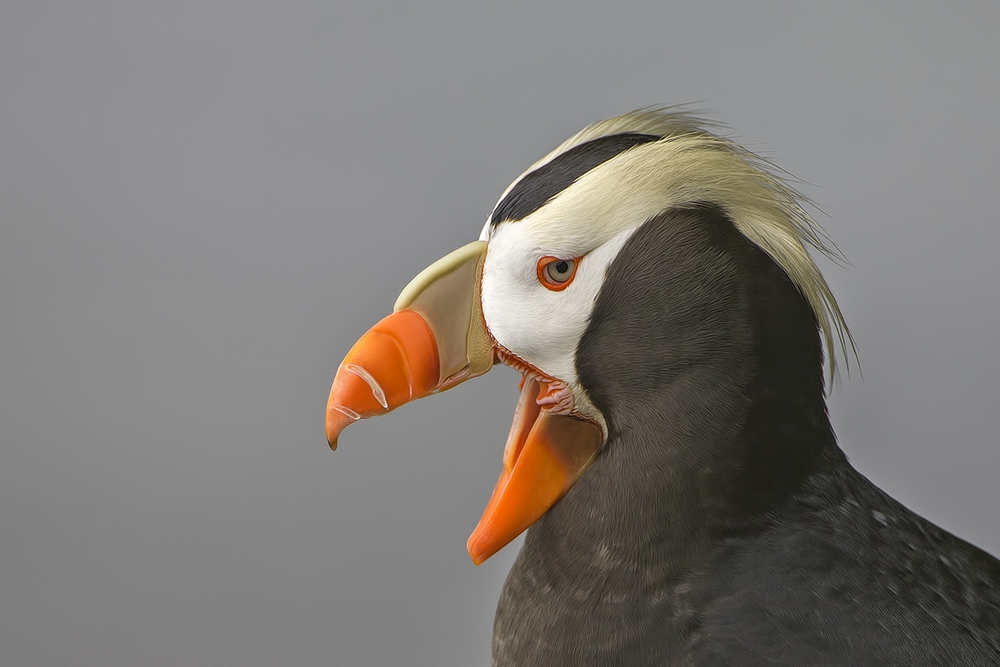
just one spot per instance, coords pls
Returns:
(556, 273)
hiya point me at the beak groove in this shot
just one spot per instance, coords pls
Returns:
(372, 383)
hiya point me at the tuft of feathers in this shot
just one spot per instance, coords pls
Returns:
(692, 165)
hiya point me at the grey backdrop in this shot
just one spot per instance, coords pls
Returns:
(202, 205)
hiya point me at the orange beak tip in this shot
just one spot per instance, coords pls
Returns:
(479, 557)
(474, 552)
(337, 419)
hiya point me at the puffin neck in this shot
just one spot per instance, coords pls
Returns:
(707, 364)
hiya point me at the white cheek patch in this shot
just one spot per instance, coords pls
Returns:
(541, 326)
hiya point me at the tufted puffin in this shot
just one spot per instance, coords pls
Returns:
(671, 456)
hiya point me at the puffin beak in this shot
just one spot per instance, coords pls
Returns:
(435, 339)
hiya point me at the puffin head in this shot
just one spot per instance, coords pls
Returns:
(526, 294)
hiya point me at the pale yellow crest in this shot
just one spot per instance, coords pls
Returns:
(692, 165)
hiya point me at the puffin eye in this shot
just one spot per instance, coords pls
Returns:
(556, 273)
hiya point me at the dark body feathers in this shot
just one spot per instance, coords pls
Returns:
(721, 524)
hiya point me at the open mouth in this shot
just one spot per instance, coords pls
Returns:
(549, 447)
(539, 391)
(552, 394)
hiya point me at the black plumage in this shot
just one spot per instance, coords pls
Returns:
(721, 524)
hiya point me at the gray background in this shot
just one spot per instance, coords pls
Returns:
(203, 205)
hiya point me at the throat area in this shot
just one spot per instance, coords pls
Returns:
(666, 490)
(672, 471)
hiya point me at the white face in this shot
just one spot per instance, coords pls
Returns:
(589, 221)
(540, 325)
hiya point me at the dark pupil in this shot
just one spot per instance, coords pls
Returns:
(562, 266)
